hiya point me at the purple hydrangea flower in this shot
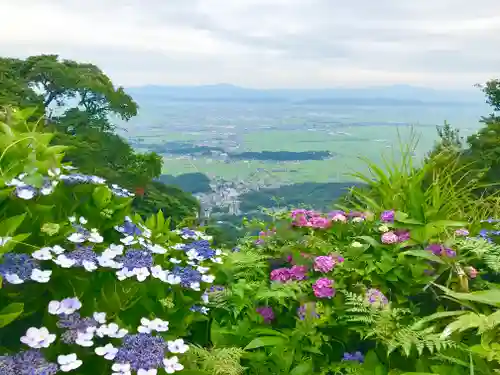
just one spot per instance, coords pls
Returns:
(387, 216)
(376, 298)
(266, 312)
(307, 310)
(440, 250)
(323, 288)
(324, 263)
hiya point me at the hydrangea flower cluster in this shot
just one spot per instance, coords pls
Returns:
(18, 268)
(307, 310)
(376, 298)
(314, 219)
(263, 235)
(387, 216)
(54, 176)
(355, 357)
(323, 288)
(143, 353)
(295, 273)
(326, 263)
(266, 312)
(489, 235)
(441, 250)
(392, 237)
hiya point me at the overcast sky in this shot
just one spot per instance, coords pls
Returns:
(265, 43)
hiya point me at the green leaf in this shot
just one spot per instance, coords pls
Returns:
(10, 313)
(422, 254)
(447, 223)
(489, 297)
(265, 341)
(304, 368)
(268, 331)
(369, 240)
(438, 315)
(10, 225)
(101, 196)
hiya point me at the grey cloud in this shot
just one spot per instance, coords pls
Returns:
(388, 37)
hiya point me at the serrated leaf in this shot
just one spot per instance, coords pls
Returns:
(463, 323)
(10, 313)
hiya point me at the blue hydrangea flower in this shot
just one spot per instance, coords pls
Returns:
(17, 268)
(129, 228)
(188, 275)
(30, 362)
(356, 357)
(121, 192)
(79, 178)
(141, 351)
(74, 323)
(84, 257)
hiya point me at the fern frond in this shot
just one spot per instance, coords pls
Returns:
(217, 361)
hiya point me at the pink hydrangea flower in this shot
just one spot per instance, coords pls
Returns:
(462, 232)
(472, 272)
(319, 222)
(280, 274)
(389, 238)
(324, 263)
(323, 288)
(298, 272)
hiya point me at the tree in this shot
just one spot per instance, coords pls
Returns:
(77, 101)
(79, 90)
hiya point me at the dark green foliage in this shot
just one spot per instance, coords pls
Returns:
(310, 194)
(190, 182)
(78, 100)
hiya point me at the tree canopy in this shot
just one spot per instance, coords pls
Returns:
(78, 102)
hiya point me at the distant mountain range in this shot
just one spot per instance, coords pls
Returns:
(385, 95)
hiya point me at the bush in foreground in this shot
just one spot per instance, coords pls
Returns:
(87, 285)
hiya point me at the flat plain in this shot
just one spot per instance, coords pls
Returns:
(346, 131)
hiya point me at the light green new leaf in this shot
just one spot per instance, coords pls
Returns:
(447, 223)
(463, 323)
(10, 313)
(489, 297)
(101, 196)
(304, 368)
(9, 226)
(265, 341)
(439, 315)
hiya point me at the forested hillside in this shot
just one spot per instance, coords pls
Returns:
(78, 102)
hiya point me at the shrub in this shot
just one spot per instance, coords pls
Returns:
(348, 293)
(87, 284)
